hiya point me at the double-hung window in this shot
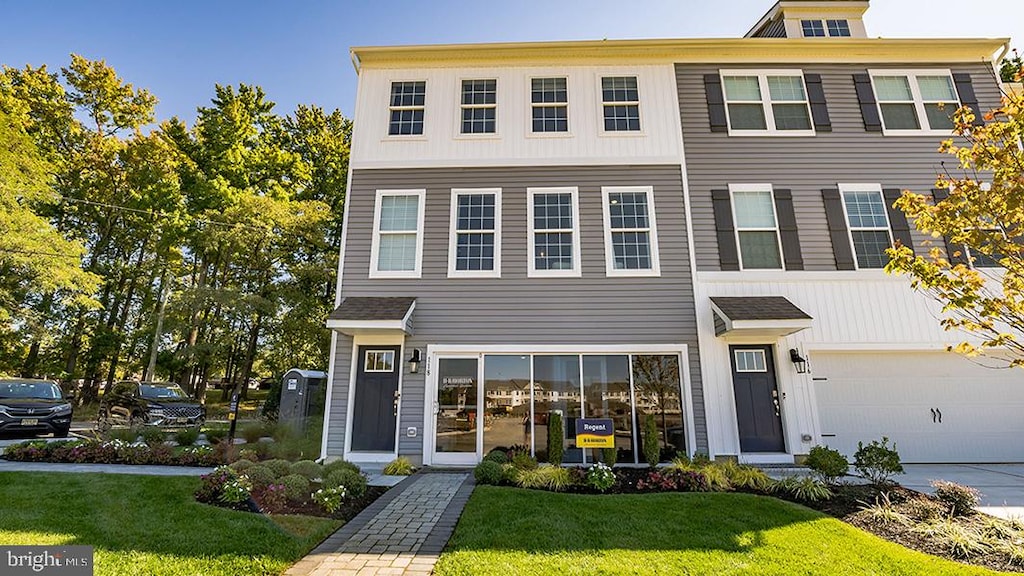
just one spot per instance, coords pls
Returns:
(479, 106)
(474, 247)
(630, 233)
(757, 228)
(396, 250)
(549, 100)
(554, 240)
(916, 101)
(408, 100)
(621, 102)
(868, 222)
(767, 103)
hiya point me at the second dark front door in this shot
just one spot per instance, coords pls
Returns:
(757, 399)
(375, 405)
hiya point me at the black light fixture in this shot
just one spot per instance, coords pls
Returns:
(414, 361)
(798, 361)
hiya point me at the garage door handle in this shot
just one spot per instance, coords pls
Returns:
(939, 412)
(933, 414)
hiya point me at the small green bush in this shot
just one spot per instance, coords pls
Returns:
(249, 454)
(400, 466)
(509, 473)
(961, 500)
(488, 472)
(340, 465)
(296, 487)
(523, 461)
(924, 509)
(883, 512)
(152, 435)
(241, 465)
(556, 435)
(497, 456)
(652, 446)
(717, 478)
(877, 461)
(215, 434)
(354, 482)
(599, 477)
(546, 477)
(806, 488)
(610, 456)
(307, 469)
(260, 476)
(828, 464)
(279, 467)
(186, 436)
(128, 435)
(252, 432)
(748, 477)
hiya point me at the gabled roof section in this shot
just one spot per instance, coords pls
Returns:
(371, 314)
(757, 316)
(774, 20)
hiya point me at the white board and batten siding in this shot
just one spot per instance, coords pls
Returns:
(514, 144)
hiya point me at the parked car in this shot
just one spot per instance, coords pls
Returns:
(30, 407)
(162, 404)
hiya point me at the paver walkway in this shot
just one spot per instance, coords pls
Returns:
(402, 533)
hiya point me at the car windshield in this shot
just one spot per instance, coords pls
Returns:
(27, 389)
(161, 391)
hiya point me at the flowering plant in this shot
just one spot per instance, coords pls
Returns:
(330, 499)
(599, 477)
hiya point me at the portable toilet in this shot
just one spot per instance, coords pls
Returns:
(303, 393)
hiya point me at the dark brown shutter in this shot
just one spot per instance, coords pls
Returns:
(819, 109)
(955, 254)
(868, 108)
(716, 103)
(787, 230)
(897, 219)
(965, 89)
(728, 253)
(837, 229)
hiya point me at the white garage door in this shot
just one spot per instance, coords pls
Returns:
(863, 396)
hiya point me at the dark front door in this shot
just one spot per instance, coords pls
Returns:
(757, 399)
(375, 405)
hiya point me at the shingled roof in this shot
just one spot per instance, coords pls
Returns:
(365, 308)
(759, 308)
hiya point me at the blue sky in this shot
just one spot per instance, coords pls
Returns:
(298, 50)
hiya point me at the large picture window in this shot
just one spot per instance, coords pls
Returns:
(397, 247)
(868, 222)
(770, 102)
(475, 245)
(553, 215)
(757, 229)
(630, 234)
(915, 101)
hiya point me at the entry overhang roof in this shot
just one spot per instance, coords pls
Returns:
(373, 315)
(757, 316)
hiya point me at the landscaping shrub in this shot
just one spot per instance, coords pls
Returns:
(924, 509)
(236, 492)
(716, 477)
(123, 434)
(340, 465)
(215, 434)
(260, 476)
(599, 477)
(806, 488)
(497, 456)
(152, 435)
(296, 487)
(877, 461)
(252, 432)
(271, 499)
(883, 512)
(677, 480)
(679, 464)
(308, 469)
(211, 485)
(828, 464)
(748, 477)
(400, 466)
(281, 431)
(330, 499)
(249, 454)
(186, 436)
(610, 456)
(961, 540)
(279, 467)
(652, 449)
(488, 472)
(960, 500)
(109, 452)
(509, 473)
(353, 482)
(548, 476)
(523, 461)
(556, 434)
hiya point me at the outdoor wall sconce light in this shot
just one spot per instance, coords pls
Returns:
(798, 361)
(414, 361)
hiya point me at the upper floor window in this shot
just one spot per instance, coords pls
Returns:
(817, 28)
(553, 215)
(766, 102)
(407, 103)
(397, 247)
(479, 106)
(915, 101)
(630, 234)
(757, 228)
(838, 28)
(868, 222)
(812, 28)
(621, 100)
(549, 99)
(475, 240)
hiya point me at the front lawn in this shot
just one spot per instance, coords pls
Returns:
(150, 525)
(509, 531)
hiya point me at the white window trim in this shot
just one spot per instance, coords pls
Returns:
(453, 234)
(652, 232)
(764, 360)
(766, 102)
(733, 188)
(459, 134)
(529, 117)
(915, 91)
(576, 271)
(387, 132)
(601, 104)
(421, 194)
(872, 187)
(385, 352)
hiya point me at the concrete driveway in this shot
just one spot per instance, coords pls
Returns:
(1001, 485)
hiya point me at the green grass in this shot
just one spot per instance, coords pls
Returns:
(150, 525)
(508, 531)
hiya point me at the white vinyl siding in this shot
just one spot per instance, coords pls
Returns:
(868, 223)
(630, 231)
(915, 101)
(554, 239)
(757, 227)
(397, 246)
(474, 248)
(766, 103)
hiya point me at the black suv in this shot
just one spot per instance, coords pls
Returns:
(31, 407)
(162, 404)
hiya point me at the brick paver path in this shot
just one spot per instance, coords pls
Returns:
(402, 533)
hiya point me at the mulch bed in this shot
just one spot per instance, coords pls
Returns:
(349, 509)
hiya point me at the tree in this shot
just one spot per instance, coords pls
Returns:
(980, 279)
(1010, 69)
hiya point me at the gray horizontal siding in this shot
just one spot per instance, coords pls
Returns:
(807, 164)
(514, 309)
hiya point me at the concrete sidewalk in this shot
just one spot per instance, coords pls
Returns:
(7, 466)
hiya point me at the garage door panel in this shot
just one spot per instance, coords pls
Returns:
(864, 396)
